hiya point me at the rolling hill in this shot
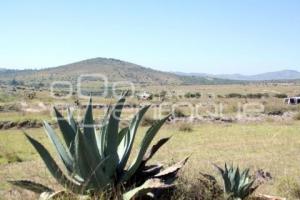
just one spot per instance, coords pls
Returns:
(113, 69)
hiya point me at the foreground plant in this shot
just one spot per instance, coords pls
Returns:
(97, 160)
(237, 185)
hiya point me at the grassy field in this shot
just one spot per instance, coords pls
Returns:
(270, 142)
(269, 146)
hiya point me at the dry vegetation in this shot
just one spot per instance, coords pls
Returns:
(267, 140)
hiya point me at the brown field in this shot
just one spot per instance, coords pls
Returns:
(258, 139)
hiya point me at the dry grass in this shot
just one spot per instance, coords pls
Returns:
(185, 127)
(289, 187)
(273, 147)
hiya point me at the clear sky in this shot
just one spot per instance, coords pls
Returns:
(212, 36)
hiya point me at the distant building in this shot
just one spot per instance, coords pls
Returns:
(292, 100)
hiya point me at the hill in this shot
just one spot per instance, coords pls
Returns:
(113, 69)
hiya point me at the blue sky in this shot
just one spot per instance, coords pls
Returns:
(212, 36)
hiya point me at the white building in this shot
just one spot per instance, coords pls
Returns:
(292, 100)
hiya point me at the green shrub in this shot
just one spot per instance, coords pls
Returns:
(234, 95)
(197, 95)
(178, 113)
(10, 157)
(192, 95)
(281, 96)
(188, 95)
(257, 95)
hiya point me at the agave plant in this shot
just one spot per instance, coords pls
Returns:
(237, 185)
(98, 160)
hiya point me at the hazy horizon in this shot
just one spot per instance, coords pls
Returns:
(186, 72)
(215, 37)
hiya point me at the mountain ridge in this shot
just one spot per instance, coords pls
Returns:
(267, 76)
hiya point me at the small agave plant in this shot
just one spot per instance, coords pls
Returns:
(96, 161)
(237, 185)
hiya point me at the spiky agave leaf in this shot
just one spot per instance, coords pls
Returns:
(56, 172)
(144, 172)
(66, 129)
(96, 160)
(148, 186)
(122, 134)
(90, 150)
(89, 134)
(112, 138)
(94, 177)
(63, 153)
(237, 185)
(172, 170)
(100, 135)
(150, 134)
(126, 144)
(72, 121)
(32, 186)
(150, 153)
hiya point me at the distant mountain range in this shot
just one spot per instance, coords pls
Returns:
(113, 69)
(277, 75)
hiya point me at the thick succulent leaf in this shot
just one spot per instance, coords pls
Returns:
(89, 138)
(236, 179)
(122, 134)
(172, 169)
(246, 190)
(81, 164)
(224, 173)
(220, 170)
(150, 134)
(148, 186)
(88, 124)
(100, 140)
(244, 179)
(226, 179)
(66, 130)
(72, 121)
(92, 176)
(32, 186)
(122, 148)
(113, 127)
(127, 142)
(150, 153)
(112, 139)
(98, 178)
(101, 136)
(63, 153)
(152, 169)
(53, 168)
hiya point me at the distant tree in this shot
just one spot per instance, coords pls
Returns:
(14, 82)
